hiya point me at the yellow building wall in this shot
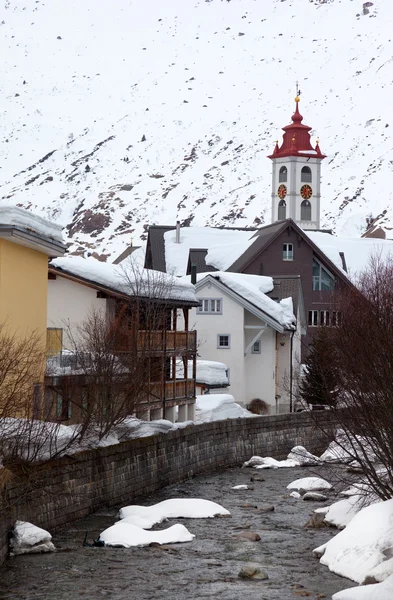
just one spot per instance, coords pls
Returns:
(23, 289)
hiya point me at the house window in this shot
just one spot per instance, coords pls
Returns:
(324, 318)
(306, 176)
(54, 341)
(282, 175)
(313, 318)
(210, 306)
(223, 340)
(287, 251)
(256, 347)
(282, 210)
(63, 408)
(336, 318)
(322, 280)
(305, 210)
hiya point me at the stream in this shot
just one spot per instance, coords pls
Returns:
(207, 567)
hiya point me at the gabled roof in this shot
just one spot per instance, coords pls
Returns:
(250, 291)
(266, 235)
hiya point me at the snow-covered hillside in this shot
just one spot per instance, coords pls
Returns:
(207, 85)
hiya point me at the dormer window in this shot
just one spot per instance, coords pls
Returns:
(306, 176)
(283, 175)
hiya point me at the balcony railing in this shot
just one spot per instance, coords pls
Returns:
(160, 341)
(174, 390)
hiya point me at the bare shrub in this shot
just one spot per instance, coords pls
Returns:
(258, 407)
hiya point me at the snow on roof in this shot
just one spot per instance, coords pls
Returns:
(307, 152)
(224, 246)
(253, 288)
(357, 251)
(133, 282)
(211, 372)
(24, 219)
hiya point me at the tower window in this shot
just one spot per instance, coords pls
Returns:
(283, 175)
(282, 210)
(306, 176)
(305, 210)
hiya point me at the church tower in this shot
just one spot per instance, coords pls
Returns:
(296, 178)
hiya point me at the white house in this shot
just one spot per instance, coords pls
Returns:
(257, 337)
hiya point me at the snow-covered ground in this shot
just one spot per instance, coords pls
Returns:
(207, 87)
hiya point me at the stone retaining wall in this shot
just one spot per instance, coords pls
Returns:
(70, 488)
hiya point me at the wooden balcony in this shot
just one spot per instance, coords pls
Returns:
(159, 341)
(171, 390)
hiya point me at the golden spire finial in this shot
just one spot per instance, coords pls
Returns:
(297, 99)
(318, 141)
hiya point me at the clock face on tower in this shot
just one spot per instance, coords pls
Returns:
(282, 191)
(306, 191)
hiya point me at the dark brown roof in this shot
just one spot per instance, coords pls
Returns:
(262, 238)
(127, 252)
(155, 250)
(286, 287)
(197, 256)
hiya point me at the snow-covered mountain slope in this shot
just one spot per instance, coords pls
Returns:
(207, 85)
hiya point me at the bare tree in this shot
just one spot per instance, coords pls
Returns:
(359, 353)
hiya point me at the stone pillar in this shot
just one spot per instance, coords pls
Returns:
(143, 413)
(170, 413)
(155, 414)
(182, 416)
(191, 412)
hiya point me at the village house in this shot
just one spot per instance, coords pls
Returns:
(142, 308)
(258, 338)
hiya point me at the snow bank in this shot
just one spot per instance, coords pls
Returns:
(309, 484)
(364, 544)
(133, 282)
(215, 407)
(24, 219)
(187, 508)
(303, 457)
(28, 538)
(127, 535)
(239, 487)
(378, 591)
(342, 512)
(297, 457)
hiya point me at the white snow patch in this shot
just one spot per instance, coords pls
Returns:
(364, 544)
(127, 535)
(309, 484)
(239, 487)
(377, 591)
(215, 407)
(224, 247)
(28, 538)
(19, 217)
(187, 508)
(295, 495)
(303, 456)
(132, 282)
